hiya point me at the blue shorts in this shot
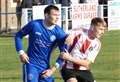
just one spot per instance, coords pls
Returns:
(33, 74)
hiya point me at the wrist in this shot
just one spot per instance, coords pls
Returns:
(21, 52)
(71, 58)
(56, 65)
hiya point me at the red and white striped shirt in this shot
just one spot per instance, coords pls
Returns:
(83, 48)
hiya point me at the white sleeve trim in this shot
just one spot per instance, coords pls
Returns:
(56, 65)
(21, 52)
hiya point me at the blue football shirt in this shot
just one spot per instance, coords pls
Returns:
(41, 42)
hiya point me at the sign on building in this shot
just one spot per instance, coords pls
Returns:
(26, 16)
(82, 14)
(113, 15)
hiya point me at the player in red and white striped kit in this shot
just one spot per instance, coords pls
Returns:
(82, 52)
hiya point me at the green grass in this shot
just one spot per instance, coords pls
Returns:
(105, 69)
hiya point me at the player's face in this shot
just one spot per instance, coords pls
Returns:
(53, 17)
(98, 31)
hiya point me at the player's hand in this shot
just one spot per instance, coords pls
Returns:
(24, 58)
(69, 40)
(65, 55)
(47, 73)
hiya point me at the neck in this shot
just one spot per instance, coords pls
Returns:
(91, 35)
(47, 23)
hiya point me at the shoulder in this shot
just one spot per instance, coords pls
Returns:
(36, 22)
(98, 41)
(98, 44)
(77, 31)
(58, 28)
(59, 31)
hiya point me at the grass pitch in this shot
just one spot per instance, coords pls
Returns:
(105, 69)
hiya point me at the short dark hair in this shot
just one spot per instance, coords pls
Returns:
(49, 8)
(97, 21)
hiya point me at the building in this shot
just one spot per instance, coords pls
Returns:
(8, 18)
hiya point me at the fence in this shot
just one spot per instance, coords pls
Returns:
(9, 23)
(69, 15)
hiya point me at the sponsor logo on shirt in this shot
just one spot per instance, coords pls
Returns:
(37, 33)
(30, 76)
(42, 43)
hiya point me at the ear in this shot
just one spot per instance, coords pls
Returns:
(46, 15)
(92, 27)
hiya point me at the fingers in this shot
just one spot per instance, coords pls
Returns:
(24, 58)
(66, 50)
(64, 53)
(27, 60)
(69, 39)
(46, 73)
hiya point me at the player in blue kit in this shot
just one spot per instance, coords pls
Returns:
(43, 36)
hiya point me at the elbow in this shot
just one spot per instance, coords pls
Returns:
(18, 42)
(18, 35)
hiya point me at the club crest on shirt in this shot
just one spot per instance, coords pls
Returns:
(30, 76)
(52, 38)
(91, 48)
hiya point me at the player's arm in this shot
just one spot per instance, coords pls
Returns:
(66, 56)
(72, 33)
(84, 62)
(61, 36)
(50, 71)
(18, 42)
(63, 43)
(62, 46)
